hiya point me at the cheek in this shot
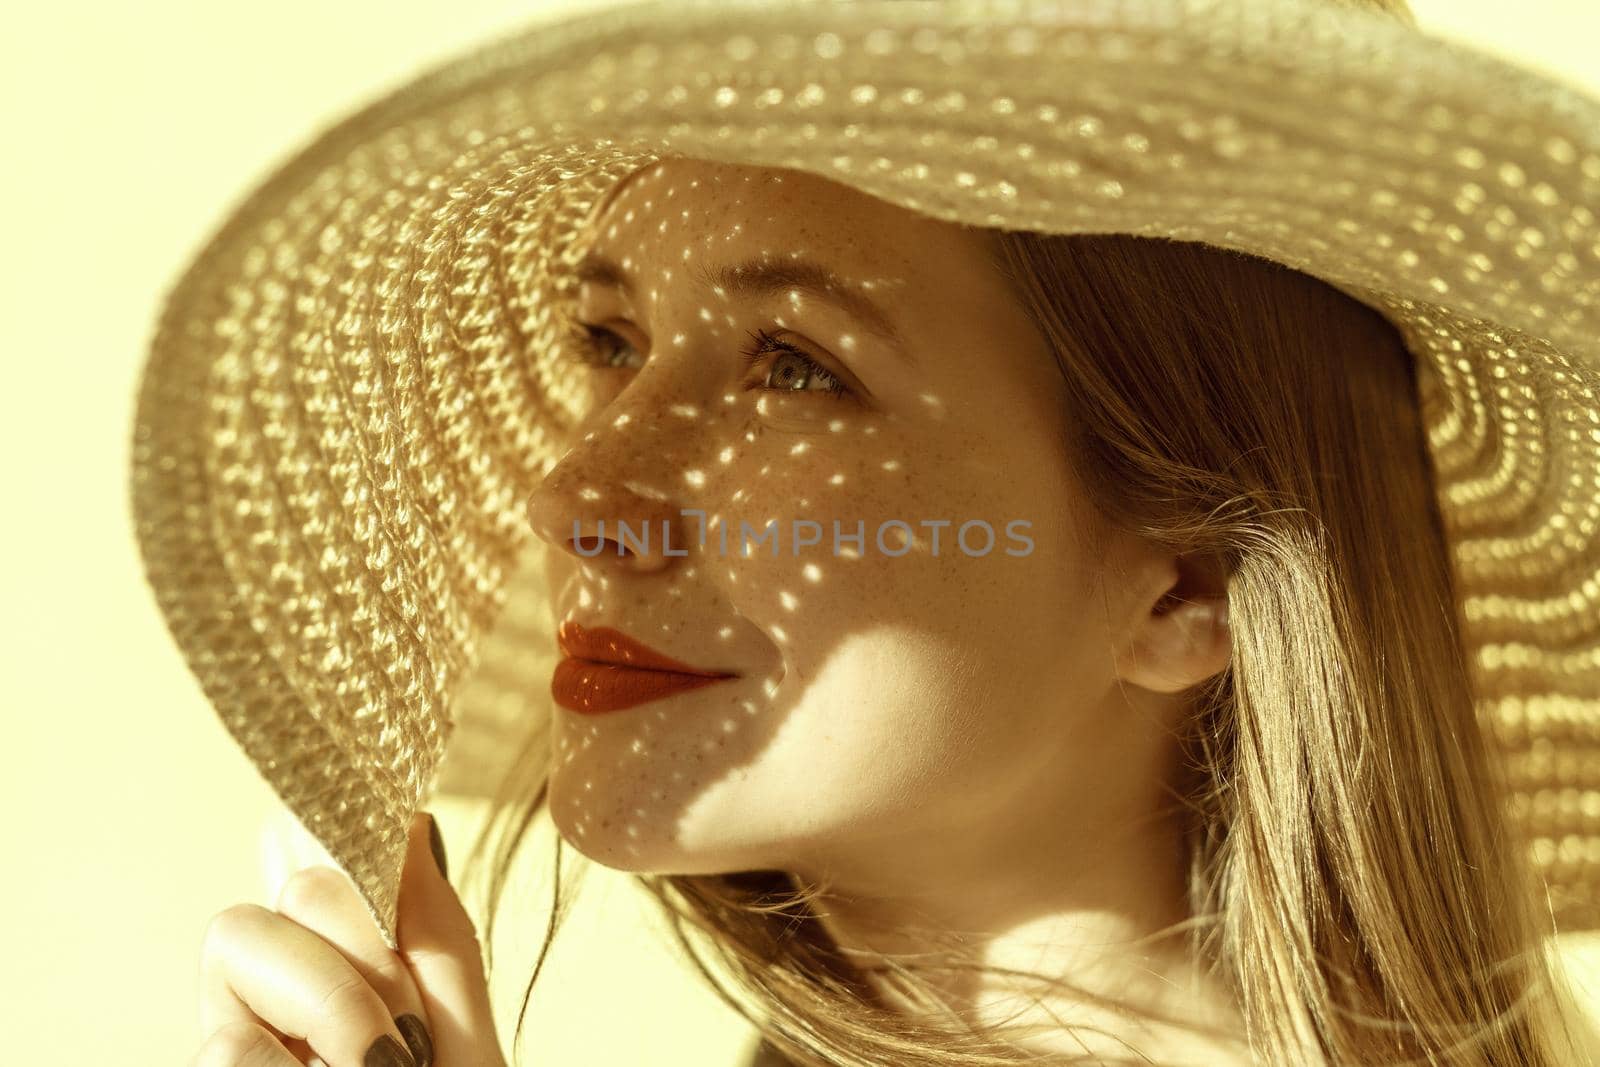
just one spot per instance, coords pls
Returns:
(1004, 590)
(903, 727)
(889, 718)
(797, 484)
(855, 479)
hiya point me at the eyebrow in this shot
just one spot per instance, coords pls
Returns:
(761, 277)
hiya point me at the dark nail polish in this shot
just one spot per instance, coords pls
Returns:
(387, 1052)
(417, 1039)
(437, 842)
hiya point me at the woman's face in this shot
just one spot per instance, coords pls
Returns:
(883, 694)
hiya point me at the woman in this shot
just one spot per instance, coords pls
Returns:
(1135, 726)
(1049, 762)
(1054, 760)
(983, 744)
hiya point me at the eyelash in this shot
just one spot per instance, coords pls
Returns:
(761, 343)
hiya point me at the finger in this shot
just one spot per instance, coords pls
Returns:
(259, 966)
(439, 943)
(243, 1044)
(324, 901)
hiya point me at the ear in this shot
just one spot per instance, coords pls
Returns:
(1178, 635)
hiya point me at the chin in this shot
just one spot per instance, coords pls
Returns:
(607, 841)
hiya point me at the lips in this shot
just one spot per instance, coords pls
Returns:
(606, 670)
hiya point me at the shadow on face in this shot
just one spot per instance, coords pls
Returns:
(836, 442)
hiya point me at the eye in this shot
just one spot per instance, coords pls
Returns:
(789, 370)
(602, 347)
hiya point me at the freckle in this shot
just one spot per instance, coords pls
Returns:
(787, 599)
(837, 479)
(891, 464)
(812, 572)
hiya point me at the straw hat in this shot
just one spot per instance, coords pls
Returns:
(356, 384)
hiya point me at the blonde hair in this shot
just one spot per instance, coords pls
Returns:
(1353, 877)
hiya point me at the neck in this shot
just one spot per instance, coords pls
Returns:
(1075, 873)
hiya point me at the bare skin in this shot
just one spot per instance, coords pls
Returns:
(977, 742)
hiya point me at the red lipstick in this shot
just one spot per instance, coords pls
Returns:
(606, 670)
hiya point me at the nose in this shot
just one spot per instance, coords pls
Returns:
(620, 524)
(616, 498)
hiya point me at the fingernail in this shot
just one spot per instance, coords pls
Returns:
(435, 840)
(417, 1039)
(387, 1052)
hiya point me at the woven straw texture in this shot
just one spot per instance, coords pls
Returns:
(356, 384)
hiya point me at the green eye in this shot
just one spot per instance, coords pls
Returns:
(800, 369)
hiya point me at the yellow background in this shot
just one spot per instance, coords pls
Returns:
(130, 817)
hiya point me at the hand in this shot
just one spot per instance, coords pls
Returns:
(313, 982)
